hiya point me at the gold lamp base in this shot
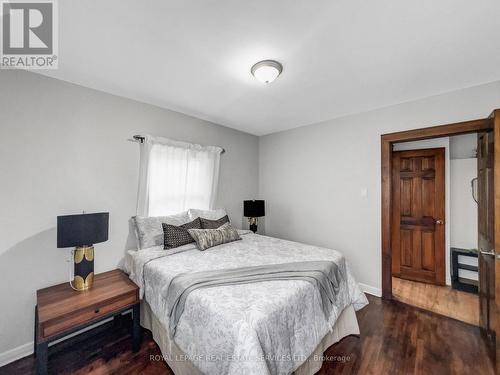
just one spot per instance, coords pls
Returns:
(83, 257)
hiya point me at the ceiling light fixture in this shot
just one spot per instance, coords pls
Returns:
(267, 71)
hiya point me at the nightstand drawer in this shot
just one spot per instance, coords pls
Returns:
(85, 316)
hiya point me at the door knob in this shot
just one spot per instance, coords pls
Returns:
(492, 252)
(440, 222)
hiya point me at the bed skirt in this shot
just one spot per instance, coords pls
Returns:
(347, 324)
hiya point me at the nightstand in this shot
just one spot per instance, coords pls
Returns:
(60, 310)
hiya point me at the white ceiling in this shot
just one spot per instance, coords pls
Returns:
(339, 56)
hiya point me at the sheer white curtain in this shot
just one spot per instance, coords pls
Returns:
(175, 176)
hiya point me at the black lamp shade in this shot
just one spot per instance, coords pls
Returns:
(254, 208)
(82, 230)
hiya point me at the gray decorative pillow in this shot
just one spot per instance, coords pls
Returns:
(207, 214)
(149, 230)
(213, 224)
(207, 238)
(175, 236)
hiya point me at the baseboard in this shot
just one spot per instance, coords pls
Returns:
(16, 353)
(377, 292)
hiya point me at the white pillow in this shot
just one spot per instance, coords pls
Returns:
(206, 214)
(150, 231)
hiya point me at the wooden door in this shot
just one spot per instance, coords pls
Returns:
(486, 229)
(418, 215)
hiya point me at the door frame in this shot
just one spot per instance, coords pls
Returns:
(387, 142)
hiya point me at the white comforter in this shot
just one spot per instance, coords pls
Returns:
(261, 328)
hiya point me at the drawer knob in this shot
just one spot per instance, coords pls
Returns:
(96, 311)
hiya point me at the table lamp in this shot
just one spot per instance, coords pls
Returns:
(253, 210)
(82, 231)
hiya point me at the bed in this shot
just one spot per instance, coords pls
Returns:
(268, 327)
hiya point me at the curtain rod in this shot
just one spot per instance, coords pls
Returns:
(140, 139)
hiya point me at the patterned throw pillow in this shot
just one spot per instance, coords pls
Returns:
(213, 224)
(175, 236)
(207, 238)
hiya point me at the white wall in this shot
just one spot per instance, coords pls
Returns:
(312, 177)
(463, 146)
(64, 149)
(463, 208)
(434, 143)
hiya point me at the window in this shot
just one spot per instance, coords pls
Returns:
(176, 176)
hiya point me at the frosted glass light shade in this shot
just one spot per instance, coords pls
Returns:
(267, 71)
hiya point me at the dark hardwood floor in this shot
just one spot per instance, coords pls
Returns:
(395, 339)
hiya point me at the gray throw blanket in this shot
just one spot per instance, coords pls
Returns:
(324, 275)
